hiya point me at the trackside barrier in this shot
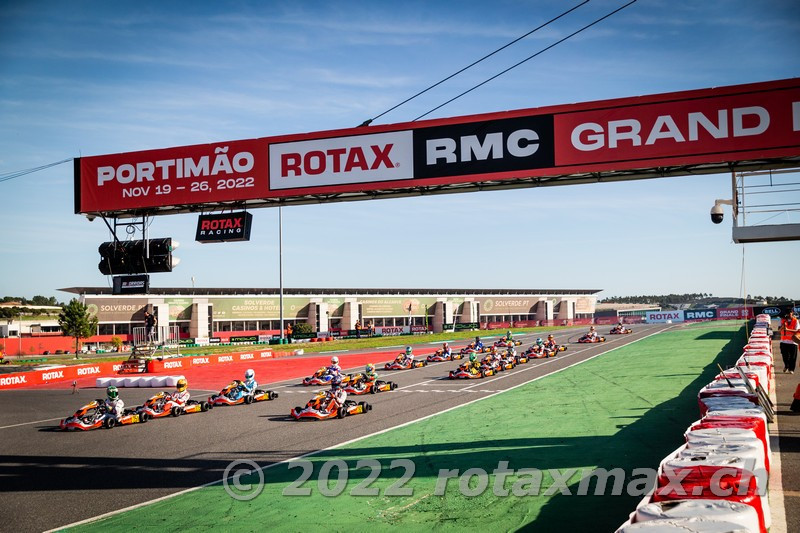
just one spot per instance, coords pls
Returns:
(56, 374)
(731, 435)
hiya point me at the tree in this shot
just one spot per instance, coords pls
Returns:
(76, 322)
(116, 342)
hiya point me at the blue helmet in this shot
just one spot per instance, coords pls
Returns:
(336, 382)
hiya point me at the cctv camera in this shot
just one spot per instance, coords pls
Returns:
(90, 218)
(717, 214)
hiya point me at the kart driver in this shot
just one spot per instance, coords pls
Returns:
(407, 357)
(446, 350)
(248, 386)
(478, 345)
(509, 336)
(114, 404)
(551, 342)
(335, 396)
(334, 368)
(511, 353)
(181, 395)
(592, 333)
(369, 373)
(473, 364)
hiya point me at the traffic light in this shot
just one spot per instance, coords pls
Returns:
(129, 257)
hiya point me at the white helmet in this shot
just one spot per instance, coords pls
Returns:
(249, 374)
(334, 360)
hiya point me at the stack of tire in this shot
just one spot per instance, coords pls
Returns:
(717, 481)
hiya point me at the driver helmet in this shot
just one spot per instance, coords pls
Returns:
(334, 360)
(508, 334)
(591, 328)
(112, 392)
(472, 357)
(550, 337)
(408, 350)
(370, 368)
(477, 339)
(539, 341)
(181, 385)
(445, 346)
(249, 374)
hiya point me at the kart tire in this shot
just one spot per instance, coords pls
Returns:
(298, 409)
(176, 411)
(394, 385)
(248, 399)
(109, 423)
(273, 395)
(374, 389)
(204, 406)
(342, 412)
(365, 406)
(451, 375)
(143, 417)
(483, 373)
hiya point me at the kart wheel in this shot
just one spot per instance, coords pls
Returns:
(144, 417)
(394, 385)
(273, 395)
(374, 389)
(176, 411)
(451, 375)
(483, 373)
(204, 406)
(248, 399)
(109, 423)
(365, 407)
(342, 412)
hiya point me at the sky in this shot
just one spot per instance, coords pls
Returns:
(85, 78)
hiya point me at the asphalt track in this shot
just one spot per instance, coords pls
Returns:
(52, 478)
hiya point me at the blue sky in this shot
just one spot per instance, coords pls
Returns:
(89, 78)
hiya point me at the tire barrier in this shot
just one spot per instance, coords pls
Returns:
(717, 481)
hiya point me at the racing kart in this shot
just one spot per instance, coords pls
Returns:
(357, 384)
(464, 371)
(95, 415)
(470, 348)
(320, 377)
(162, 405)
(587, 339)
(439, 356)
(623, 331)
(399, 365)
(504, 343)
(226, 395)
(316, 409)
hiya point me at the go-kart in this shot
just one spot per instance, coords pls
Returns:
(589, 339)
(95, 415)
(318, 408)
(320, 377)
(162, 405)
(470, 348)
(535, 352)
(399, 364)
(497, 364)
(227, 395)
(465, 371)
(504, 343)
(618, 331)
(439, 356)
(357, 384)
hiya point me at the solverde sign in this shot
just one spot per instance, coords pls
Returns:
(258, 308)
(379, 307)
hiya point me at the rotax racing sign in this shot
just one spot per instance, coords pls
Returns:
(709, 129)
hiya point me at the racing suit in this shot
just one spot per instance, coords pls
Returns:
(478, 346)
(180, 398)
(370, 376)
(246, 387)
(446, 351)
(115, 407)
(337, 397)
(334, 370)
(550, 345)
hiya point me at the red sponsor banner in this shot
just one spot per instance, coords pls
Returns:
(709, 127)
(525, 323)
(703, 125)
(734, 313)
(56, 374)
(231, 170)
(176, 364)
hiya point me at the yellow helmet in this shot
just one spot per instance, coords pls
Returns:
(182, 384)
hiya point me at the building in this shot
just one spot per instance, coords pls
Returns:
(220, 313)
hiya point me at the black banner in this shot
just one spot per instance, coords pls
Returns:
(139, 284)
(461, 326)
(775, 311)
(186, 341)
(225, 227)
(244, 338)
(485, 147)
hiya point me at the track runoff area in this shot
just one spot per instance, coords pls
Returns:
(435, 452)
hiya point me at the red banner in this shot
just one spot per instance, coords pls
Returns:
(709, 127)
